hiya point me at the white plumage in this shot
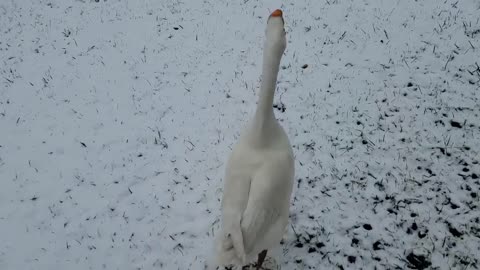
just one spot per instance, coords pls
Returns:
(259, 174)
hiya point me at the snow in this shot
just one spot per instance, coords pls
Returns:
(116, 119)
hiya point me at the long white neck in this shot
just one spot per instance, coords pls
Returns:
(271, 63)
(264, 128)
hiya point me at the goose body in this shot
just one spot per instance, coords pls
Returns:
(259, 172)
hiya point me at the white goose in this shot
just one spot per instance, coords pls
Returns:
(259, 173)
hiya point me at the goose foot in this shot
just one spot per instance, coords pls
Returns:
(261, 258)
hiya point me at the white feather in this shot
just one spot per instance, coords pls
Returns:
(259, 174)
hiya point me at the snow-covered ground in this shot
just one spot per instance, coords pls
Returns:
(116, 118)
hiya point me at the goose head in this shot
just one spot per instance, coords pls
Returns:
(276, 40)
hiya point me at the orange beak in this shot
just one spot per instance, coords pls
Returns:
(277, 13)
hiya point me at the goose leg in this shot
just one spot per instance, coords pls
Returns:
(261, 258)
